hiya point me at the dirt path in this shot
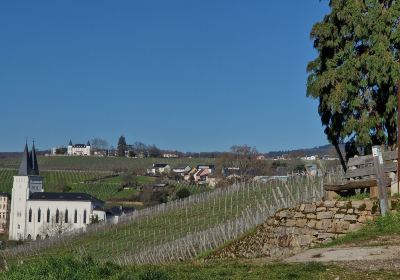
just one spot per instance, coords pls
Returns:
(347, 254)
(380, 254)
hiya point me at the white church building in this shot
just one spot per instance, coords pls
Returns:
(78, 149)
(36, 214)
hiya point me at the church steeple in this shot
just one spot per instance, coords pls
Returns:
(25, 166)
(34, 162)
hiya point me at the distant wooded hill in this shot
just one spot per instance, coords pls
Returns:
(321, 151)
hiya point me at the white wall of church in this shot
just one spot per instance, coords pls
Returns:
(38, 224)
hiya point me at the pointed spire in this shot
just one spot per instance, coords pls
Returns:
(70, 143)
(34, 162)
(88, 143)
(25, 166)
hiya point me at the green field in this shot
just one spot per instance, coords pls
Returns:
(103, 163)
(98, 184)
(54, 181)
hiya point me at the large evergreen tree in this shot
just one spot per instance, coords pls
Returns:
(121, 147)
(354, 76)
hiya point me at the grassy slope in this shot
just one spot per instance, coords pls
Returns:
(86, 268)
(382, 226)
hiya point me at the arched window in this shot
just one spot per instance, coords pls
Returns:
(39, 214)
(30, 215)
(66, 216)
(48, 215)
(76, 216)
(38, 237)
(57, 216)
(84, 217)
(29, 237)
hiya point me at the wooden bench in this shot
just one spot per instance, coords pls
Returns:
(361, 174)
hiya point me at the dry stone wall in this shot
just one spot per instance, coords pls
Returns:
(290, 231)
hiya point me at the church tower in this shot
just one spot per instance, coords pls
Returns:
(25, 183)
(69, 148)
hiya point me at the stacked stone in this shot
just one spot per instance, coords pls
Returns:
(290, 231)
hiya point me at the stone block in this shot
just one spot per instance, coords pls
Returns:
(342, 204)
(290, 223)
(270, 221)
(324, 215)
(311, 216)
(350, 211)
(325, 235)
(358, 204)
(362, 219)
(319, 203)
(339, 216)
(282, 214)
(320, 209)
(340, 226)
(311, 223)
(368, 205)
(302, 206)
(354, 227)
(299, 215)
(329, 203)
(323, 224)
(301, 222)
(310, 208)
(350, 218)
(305, 240)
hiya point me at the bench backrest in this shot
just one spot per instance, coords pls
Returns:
(363, 166)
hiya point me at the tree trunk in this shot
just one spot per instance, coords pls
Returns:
(339, 152)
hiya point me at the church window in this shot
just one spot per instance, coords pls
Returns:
(66, 215)
(38, 237)
(39, 213)
(30, 215)
(48, 215)
(84, 217)
(29, 237)
(76, 216)
(19, 227)
(57, 216)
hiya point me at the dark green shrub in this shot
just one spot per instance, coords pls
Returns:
(154, 274)
(182, 193)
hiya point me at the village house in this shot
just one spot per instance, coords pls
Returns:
(159, 168)
(211, 167)
(190, 174)
(169, 155)
(231, 172)
(201, 176)
(4, 211)
(115, 213)
(181, 170)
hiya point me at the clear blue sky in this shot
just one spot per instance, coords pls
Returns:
(197, 75)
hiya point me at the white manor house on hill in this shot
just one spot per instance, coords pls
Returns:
(78, 149)
(36, 214)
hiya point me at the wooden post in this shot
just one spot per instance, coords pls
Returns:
(380, 178)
